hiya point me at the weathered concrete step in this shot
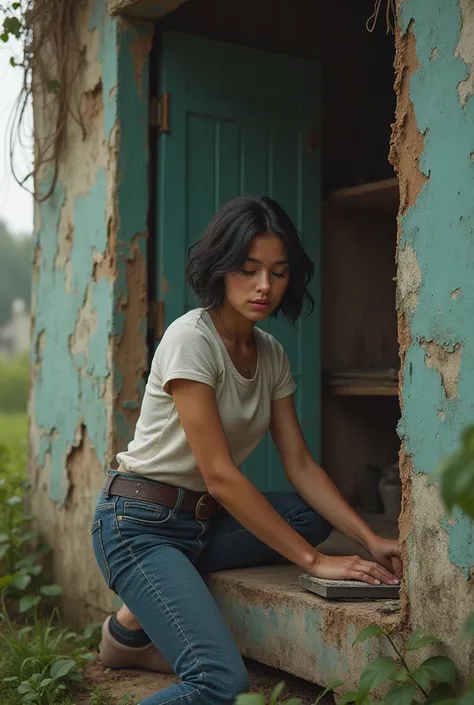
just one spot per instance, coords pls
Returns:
(277, 623)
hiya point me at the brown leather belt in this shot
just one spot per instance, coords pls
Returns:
(203, 506)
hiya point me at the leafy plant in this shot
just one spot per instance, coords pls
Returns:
(433, 679)
(49, 687)
(41, 662)
(430, 680)
(21, 564)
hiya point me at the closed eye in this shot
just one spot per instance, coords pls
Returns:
(250, 273)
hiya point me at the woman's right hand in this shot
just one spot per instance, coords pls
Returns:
(351, 568)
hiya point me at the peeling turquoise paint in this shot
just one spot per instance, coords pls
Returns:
(99, 340)
(330, 658)
(269, 628)
(70, 387)
(275, 632)
(440, 229)
(461, 548)
(68, 392)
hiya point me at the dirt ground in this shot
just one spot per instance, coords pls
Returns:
(141, 684)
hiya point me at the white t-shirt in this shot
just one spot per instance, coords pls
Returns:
(191, 348)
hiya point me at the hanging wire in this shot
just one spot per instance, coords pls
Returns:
(52, 59)
(390, 16)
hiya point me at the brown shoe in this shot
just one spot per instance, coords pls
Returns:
(113, 654)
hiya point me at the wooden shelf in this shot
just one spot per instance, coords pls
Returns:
(383, 390)
(382, 196)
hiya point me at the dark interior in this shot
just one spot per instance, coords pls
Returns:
(360, 407)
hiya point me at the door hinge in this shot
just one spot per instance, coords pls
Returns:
(156, 318)
(160, 112)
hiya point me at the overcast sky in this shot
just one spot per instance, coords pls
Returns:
(16, 205)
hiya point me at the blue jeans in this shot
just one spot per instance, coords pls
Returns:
(153, 557)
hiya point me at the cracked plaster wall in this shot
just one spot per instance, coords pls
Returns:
(88, 336)
(432, 148)
(89, 299)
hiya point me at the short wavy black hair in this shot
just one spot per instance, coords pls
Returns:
(224, 248)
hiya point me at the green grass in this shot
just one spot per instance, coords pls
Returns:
(26, 651)
(13, 428)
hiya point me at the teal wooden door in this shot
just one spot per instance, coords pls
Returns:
(242, 121)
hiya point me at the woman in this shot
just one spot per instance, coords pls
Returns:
(178, 507)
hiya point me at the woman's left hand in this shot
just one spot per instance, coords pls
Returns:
(387, 553)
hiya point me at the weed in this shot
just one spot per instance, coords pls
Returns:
(40, 662)
(101, 697)
(21, 554)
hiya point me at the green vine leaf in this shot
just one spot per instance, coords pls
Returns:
(421, 678)
(401, 695)
(28, 602)
(439, 695)
(276, 692)
(25, 688)
(61, 668)
(22, 581)
(367, 633)
(350, 697)
(401, 675)
(418, 641)
(437, 668)
(377, 672)
(12, 25)
(7, 580)
(250, 699)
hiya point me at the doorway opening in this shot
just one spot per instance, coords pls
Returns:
(358, 361)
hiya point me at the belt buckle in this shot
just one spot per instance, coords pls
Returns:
(201, 505)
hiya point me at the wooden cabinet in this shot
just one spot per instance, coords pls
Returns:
(360, 406)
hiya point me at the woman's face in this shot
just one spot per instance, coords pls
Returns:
(258, 288)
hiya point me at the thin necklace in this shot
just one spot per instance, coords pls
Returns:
(244, 371)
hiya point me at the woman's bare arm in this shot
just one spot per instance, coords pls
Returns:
(316, 487)
(312, 483)
(197, 409)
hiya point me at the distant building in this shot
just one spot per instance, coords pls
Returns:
(15, 335)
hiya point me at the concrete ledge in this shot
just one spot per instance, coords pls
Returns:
(277, 623)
